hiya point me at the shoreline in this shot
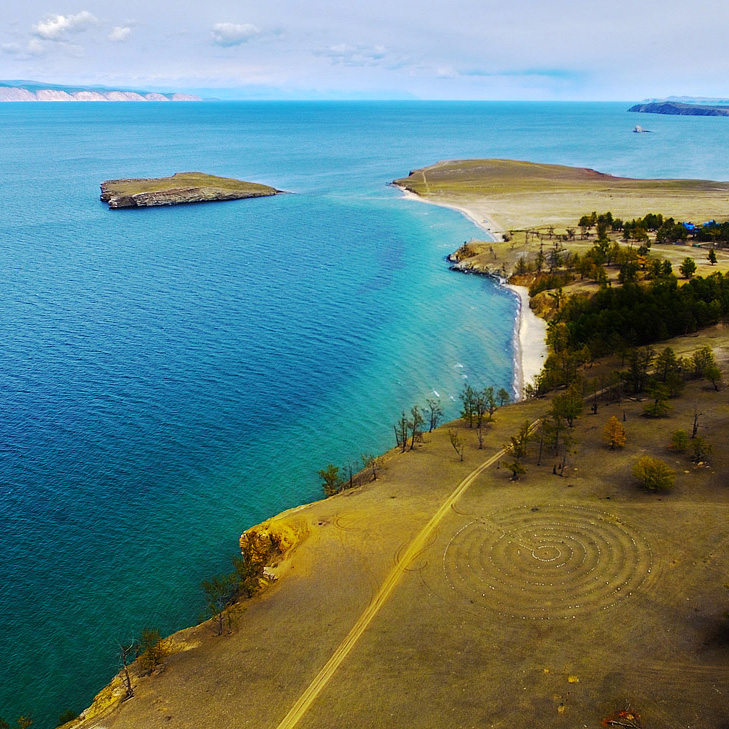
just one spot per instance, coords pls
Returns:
(530, 331)
(486, 223)
(530, 341)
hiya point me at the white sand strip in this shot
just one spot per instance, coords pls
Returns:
(530, 344)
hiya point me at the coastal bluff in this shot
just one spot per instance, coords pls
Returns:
(179, 189)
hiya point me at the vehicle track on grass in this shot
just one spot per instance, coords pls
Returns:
(421, 541)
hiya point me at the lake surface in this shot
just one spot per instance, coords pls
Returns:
(172, 376)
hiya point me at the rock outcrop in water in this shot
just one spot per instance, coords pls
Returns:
(675, 107)
(179, 189)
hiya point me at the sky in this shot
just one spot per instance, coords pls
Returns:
(450, 49)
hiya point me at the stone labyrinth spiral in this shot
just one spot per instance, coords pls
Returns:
(546, 563)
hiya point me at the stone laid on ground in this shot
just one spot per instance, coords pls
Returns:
(179, 189)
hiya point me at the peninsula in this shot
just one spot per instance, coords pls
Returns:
(675, 107)
(179, 189)
(502, 195)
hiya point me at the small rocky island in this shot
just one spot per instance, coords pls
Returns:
(179, 189)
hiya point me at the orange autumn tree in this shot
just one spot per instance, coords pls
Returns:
(614, 433)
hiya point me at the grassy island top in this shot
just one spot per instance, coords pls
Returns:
(183, 187)
(513, 194)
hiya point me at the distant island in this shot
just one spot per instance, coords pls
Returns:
(179, 189)
(39, 91)
(676, 107)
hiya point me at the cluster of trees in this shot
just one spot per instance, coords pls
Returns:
(224, 591)
(633, 264)
(480, 405)
(696, 445)
(665, 230)
(555, 433)
(335, 479)
(716, 233)
(517, 449)
(630, 316)
(478, 408)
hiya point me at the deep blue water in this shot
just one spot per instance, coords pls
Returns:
(170, 377)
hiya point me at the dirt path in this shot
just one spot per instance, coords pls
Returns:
(416, 546)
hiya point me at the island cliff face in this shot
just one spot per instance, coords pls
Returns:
(674, 107)
(179, 189)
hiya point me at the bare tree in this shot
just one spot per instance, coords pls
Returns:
(695, 427)
(456, 442)
(435, 412)
(125, 651)
(401, 432)
(218, 592)
(374, 463)
(415, 423)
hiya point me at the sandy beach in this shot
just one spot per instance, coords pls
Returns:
(530, 342)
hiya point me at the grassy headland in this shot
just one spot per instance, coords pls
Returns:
(517, 195)
(180, 188)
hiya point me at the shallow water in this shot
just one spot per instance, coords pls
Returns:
(170, 377)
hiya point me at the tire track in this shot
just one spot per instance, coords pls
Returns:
(302, 705)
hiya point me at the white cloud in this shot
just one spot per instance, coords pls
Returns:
(31, 48)
(354, 55)
(233, 34)
(58, 27)
(120, 33)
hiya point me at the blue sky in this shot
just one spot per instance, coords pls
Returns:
(460, 49)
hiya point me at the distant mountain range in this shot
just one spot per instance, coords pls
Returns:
(39, 91)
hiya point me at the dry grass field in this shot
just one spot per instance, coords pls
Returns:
(551, 601)
(509, 194)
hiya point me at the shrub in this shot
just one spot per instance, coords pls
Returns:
(653, 474)
(679, 441)
(152, 650)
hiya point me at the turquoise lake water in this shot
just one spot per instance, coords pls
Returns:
(172, 376)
